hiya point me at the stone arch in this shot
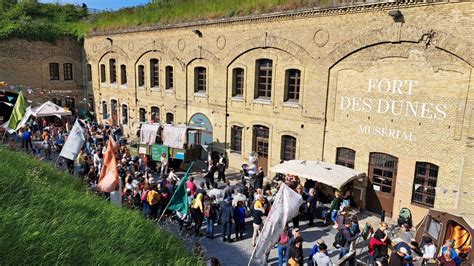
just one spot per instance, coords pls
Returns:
(157, 46)
(289, 133)
(269, 41)
(449, 43)
(204, 54)
(111, 49)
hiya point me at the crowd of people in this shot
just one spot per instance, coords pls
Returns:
(238, 209)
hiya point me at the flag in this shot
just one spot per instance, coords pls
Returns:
(109, 178)
(18, 112)
(285, 207)
(179, 201)
(74, 142)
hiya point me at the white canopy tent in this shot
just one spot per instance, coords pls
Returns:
(330, 174)
(46, 109)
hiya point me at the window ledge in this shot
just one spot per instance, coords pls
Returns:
(420, 205)
(113, 85)
(123, 86)
(237, 98)
(141, 87)
(291, 104)
(200, 94)
(236, 153)
(155, 88)
(262, 101)
(170, 91)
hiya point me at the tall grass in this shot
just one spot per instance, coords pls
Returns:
(172, 11)
(48, 217)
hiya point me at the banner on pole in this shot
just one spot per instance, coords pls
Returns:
(74, 142)
(285, 207)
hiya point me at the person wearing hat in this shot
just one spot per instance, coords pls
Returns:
(396, 258)
(429, 249)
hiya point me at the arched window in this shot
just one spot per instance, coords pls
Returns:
(264, 79)
(292, 85)
(102, 73)
(105, 115)
(89, 72)
(124, 114)
(345, 157)
(288, 148)
(169, 78)
(142, 114)
(169, 118)
(154, 73)
(123, 74)
(141, 75)
(237, 82)
(155, 114)
(200, 79)
(424, 184)
(112, 70)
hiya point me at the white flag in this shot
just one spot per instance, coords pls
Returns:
(285, 207)
(74, 142)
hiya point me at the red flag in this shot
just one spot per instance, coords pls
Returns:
(109, 178)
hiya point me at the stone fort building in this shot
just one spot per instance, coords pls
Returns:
(385, 88)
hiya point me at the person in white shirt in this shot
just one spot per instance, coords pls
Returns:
(217, 193)
(429, 250)
(173, 176)
(164, 165)
(239, 197)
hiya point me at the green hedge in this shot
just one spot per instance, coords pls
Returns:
(48, 217)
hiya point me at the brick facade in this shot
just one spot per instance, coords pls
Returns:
(26, 65)
(367, 83)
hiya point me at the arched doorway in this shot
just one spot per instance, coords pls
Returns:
(114, 112)
(200, 120)
(260, 144)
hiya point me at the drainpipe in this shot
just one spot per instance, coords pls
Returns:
(325, 117)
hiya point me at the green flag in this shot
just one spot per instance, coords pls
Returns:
(18, 112)
(179, 201)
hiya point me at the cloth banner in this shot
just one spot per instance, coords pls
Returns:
(109, 178)
(285, 207)
(74, 142)
(18, 112)
(179, 201)
(174, 136)
(148, 134)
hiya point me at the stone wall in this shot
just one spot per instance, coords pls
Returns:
(25, 65)
(340, 53)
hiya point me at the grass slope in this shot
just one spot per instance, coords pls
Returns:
(36, 21)
(47, 217)
(173, 11)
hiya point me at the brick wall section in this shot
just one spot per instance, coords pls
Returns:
(337, 52)
(27, 64)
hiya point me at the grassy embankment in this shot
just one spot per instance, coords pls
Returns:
(47, 22)
(173, 11)
(47, 217)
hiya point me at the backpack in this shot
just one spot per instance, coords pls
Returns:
(339, 239)
(207, 210)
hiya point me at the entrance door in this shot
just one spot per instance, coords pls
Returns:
(114, 112)
(381, 188)
(200, 120)
(260, 145)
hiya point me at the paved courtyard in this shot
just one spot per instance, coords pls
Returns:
(239, 252)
